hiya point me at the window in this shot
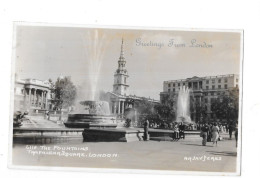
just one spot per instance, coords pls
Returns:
(219, 80)
(236, 85)
(200, 84)
(169, 85)
(225, 80)
(213, 87)
(207, 81)
(236, 80)
(173, 84)
(179, 84)
(207, 87)
(219, 86)
(169, 90)
(213, 80)
(173, 89)
(225, 86)
(206, 94)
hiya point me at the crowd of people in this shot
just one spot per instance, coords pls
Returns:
(210, 132)
(178, 129)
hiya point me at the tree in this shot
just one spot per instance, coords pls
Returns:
(52, 88)
(144, 106)
(226, 106)
(165, 112)
(198, 109)
(64, 93)
(168, 108)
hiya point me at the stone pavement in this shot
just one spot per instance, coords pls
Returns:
(184, 155)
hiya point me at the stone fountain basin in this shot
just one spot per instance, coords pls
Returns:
(91, 121)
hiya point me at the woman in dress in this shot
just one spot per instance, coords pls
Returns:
(215, 134)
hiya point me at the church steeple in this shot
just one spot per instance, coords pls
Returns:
(122, 51)
(121, 75)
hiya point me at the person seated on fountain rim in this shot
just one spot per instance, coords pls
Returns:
(182, 129)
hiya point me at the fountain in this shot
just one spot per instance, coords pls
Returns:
(89, 111)
(96, 114)
(183, 105)
(93, 115)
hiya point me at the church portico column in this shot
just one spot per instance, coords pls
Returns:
(119, 108)
(30, 93)
(46, 100)
(42, 100)
(114, 107)
(34, 97)
(123, 107)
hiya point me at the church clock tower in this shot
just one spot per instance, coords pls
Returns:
(120, 77)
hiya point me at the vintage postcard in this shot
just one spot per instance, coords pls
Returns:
(143, 100)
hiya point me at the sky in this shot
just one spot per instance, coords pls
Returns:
(90, 56)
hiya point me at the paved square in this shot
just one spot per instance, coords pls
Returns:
(184, 155)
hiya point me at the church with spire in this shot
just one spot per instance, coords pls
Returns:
(120, 99)
(120, 86)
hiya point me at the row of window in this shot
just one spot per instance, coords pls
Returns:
(195, 84)
(219, 87)
(207, 87)
(207, 82)
(219, 80)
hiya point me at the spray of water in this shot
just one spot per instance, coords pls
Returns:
(183, 105)
(95, 43)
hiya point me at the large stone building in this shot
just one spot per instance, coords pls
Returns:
(120, 99)
(203, 89)
(31, 95)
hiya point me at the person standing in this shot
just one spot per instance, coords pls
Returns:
(230, 130)
(146, 128)
(204, 130)
(236, 133)
(221, 128)
(176, 132)
(181, 130)
(215, 134)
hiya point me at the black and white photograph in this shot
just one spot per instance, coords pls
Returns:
(152, 99)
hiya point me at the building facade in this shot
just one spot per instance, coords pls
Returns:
(31, 95)
(203, 89)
